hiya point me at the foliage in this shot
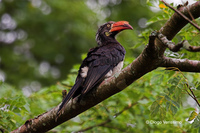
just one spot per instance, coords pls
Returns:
(159, 108)
(156, 102)
(13, 108)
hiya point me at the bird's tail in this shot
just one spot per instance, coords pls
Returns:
(68, 97)
(65, 101)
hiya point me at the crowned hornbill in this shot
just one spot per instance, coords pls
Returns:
(101, 62)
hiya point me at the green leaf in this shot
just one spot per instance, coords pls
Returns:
(171, 89)
(162, 113)
(196, 123)
(157, 79)
(192, 116)
(154, 108)
(167, 98)
(174, 81)
(197, 93)
(173, 109)
(167, 106)
(157, 18)
(177, 92)
(160, 100)
(174, 103)
(198, 88)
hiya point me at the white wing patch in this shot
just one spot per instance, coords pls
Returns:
(116, 69)
(109, 74)
(84, 72)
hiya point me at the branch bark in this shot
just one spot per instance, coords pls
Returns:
(175, 48)
(148, 60)
(184, 65)
(182, 15)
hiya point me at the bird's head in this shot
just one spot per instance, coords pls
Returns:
(106, 32)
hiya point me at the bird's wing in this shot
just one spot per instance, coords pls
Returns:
(95, 75)
(104, 60)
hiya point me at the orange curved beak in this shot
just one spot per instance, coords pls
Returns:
(120, 25)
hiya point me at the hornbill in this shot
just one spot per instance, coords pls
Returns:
(101, 62)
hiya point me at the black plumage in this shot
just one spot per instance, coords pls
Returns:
(101, 62)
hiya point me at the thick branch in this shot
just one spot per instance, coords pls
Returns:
(182, 64)
(146, 62)
(176, 22)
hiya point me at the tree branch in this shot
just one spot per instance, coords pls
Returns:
(147, 61)
(175, 48)
(182, 15)
(193, 95)
(177, 22)
(182, 64)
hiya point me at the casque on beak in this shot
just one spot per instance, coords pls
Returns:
(120, 25)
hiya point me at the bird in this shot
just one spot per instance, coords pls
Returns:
(101, 62)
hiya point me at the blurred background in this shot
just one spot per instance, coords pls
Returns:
(40, 40)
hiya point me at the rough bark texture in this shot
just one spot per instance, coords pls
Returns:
(184, 65)
(151, 58)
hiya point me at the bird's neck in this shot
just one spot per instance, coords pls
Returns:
(101, 40)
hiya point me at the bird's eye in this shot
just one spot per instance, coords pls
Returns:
(108, 25)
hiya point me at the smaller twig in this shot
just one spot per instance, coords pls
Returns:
(193, 96)
(191, 48)
(175, 48)
(189, 94)
(172, 69)
(182, 15)
(190, 15)
(185, 5)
